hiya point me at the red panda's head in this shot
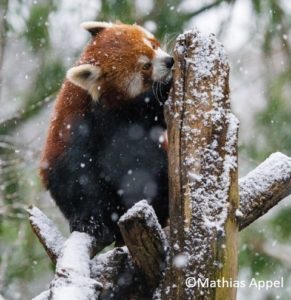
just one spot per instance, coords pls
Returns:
(121, 62)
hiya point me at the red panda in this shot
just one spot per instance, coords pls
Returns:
(101, 153)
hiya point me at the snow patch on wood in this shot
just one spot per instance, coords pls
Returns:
(264, 187)
(47, 231)
(276, 167)
(104, 260)
(73, 272)
(143, 210)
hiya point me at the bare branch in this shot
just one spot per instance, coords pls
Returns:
(263, 188)
(206, 7)
(3, 30)
(23, 114)
(279, 252)
(47, 233)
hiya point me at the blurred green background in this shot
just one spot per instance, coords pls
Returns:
(39, 40)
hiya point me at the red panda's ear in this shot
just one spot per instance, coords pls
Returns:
(86, 76)
(95, 27)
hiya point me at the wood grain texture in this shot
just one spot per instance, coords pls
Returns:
(145, 240)
(202, 136)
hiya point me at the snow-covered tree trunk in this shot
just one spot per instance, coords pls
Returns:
(202, 172)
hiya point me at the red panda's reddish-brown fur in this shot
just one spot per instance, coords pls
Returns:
(73, 101)
(66, 111)
(84, 130)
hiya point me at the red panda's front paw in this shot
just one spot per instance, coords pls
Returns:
(94, 227)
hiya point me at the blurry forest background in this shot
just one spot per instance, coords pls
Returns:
(40, 39)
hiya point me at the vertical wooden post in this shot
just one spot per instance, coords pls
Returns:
(203, 174)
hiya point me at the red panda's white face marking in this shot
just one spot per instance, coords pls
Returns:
(143, 60)
(161, 68)
(127, 61)
(135, 85)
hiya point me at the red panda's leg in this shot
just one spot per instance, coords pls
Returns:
(81, 198)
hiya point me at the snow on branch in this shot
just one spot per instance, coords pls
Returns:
(73, 274)
(73, 271)
(72, 257)
(48, 234)
(263, 188)
(260, 190)
(117, 273)
(112, 274)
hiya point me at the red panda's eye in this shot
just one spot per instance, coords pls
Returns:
(147, 66)
(154, 46)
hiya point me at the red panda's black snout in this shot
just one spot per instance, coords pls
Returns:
(123, 59)
(169, 62)
(102, 153)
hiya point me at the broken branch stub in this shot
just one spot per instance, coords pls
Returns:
(145, 239)
(202, 171)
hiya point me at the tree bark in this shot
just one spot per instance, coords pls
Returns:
(120, 278)
(202, 172)
(145, 240)
(263, 188)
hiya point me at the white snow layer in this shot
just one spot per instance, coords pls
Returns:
(49, 232)
(146, 211)
(73, 270)
(277, 167)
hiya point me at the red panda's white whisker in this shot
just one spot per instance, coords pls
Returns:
(156, 91)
